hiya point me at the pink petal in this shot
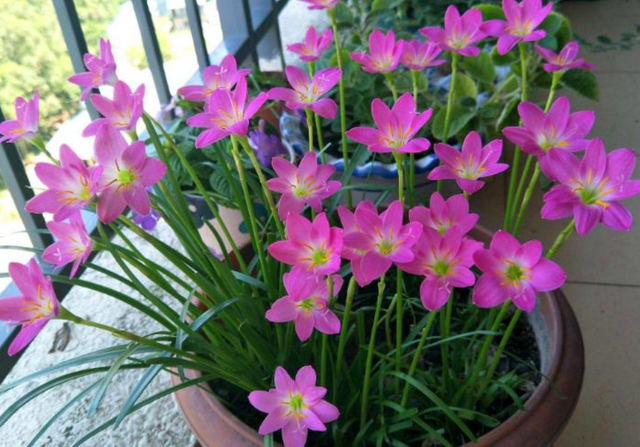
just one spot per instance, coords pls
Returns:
(432, 295)
(306, 377)
(364, 135)
(488, 292)
(283, 310)
(26, 335)
(547, 276)
(587, 217)
(12, 309)
(110, 205)
(274, 421)
(304, 326)
(325, 411)
(617, 217)
(108, 145)
(264, 401)
(326, 108)
(294, 435)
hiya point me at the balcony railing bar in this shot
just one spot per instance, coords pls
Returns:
(195, 25)
(74, 39)
(152, 50)
(246, 8)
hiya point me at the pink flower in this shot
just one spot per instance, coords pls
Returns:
(25, 126)
(515, 272)
(123, 112)
(445, 261)
(223, 76)
(384, 53)
(33, 308)
(307, 184)
(71, 186)
(469, 165)
(73, 244)
(306, 303)
(102, 70)
(294, 406)
(563, 61)
(460, 33)
(418, 55)
(443, 215)
(558, 129)
(378, 242)
(306, 93)
(313, 45)
(127, 172)
(396, 127)
(350, 225)
(226, 113)
(522, 20)
(321, 4)
(591, 189)
(313, 245)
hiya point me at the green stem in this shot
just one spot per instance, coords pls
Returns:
(372, 343)
(400, 167)
(263, 182)
(38, 143)
(484, 351)
(343, 115)
(445, 331)
(344, 328)
(415, 75)
(309, 115)
(516, 155)
(526, 199)
(399, 310)
(325, 338)
(312, 68)
(498, 354)
(523, 180)
(555, 80)
(391, 85)
(561, 239)
(450, 96)
(257, 241)
(416, 355)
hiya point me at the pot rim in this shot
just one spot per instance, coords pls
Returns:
(547, 410)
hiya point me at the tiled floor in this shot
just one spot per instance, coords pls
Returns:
(604, 267)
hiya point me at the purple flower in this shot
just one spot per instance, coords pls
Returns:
(471, 164)
(306, 303)
(313, 45)
(123, 112)
(591, 189)
(559, 129)
(33, 308)
(25, 126)
(307, 184)
(294, 406)
(147, 222)
(127, 173)
(384, 53)
(514, 271)
(226, 113)
(396, 127)
(563, 61)
(417, 55)
(73, 243)
(522, 20)
(265, 146)
(307, 93)
(71, 186)
(224, 76)
(379, 242)
(102, 70)
(460, 33)
(444, 215)
(445, 262)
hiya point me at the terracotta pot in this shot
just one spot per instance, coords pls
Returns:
(548, 410)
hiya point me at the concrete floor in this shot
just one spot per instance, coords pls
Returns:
(603, 267)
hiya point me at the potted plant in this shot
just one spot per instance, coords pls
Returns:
(338, 323)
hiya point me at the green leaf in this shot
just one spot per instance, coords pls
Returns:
(500, 60)
(552, 24)
(343, 13)
(491, 12)
(565, 34)
(465, 87)
(583, 82)
(460, 116)
(385, 5)
(480, 67)
(437, 401)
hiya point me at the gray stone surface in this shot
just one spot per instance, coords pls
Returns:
(158, 425)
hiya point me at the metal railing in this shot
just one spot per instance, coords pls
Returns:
(246, 26)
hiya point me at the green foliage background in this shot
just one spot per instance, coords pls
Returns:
(33, 55)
